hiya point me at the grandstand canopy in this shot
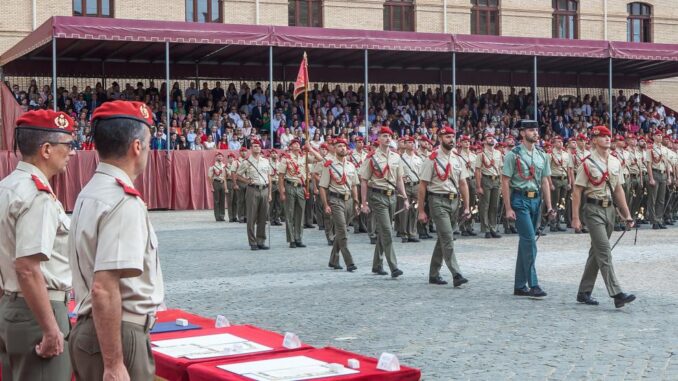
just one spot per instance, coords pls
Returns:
(102, 47)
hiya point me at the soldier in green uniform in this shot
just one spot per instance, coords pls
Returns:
(382, 176)
(598, 187)
(525, 180)
(443, 179)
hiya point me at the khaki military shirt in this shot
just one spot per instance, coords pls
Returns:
(381, 170)
(612, 166)
(339, 176)
(32, 222)
(217, 172)
(111, 230)
(489, 163)
(437, 170)
(469, 159)
(577, 157)
(258, 170)
(411, 167)
(659, 157)
(521, 178)
(635, 164)
(560, 162)
(623, 157)
(293, 167)
(274, 170)
(357, 158)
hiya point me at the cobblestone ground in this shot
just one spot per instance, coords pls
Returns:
(479, 332)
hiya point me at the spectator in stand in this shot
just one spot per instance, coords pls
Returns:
(210, 143)
(158, 142)
(223, 143)
(183, 143)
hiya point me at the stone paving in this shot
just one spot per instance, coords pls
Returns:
(479, 332)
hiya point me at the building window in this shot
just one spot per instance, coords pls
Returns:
(305, 13)
(399, 15)
(485, 17)
(639, 23)
(565, 19)
(204, 11)
(93, 8)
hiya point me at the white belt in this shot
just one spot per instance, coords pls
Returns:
(54, 295)
(143, 320)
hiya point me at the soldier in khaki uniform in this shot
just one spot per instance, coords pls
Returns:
(292, 182)
(488, 171)
(659, 175)
(424, 150)
(276, 209)
(338, 193)
(468, 158)
(255, 171)
(599, 186)
(36, 277)
(324, 220)
(114, 254)
(636, 167)
(443, 179)
(231, 187)
(217, 175)
(411, 166)
(618, 151)
(562, 178)
(240, 189)
(357, 157)
(579, 154)
(381, 177)
(670, 184)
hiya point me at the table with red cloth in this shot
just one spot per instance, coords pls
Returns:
(208, 371)
(174, 314)
(176, 369)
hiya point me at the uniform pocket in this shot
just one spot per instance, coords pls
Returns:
(17, 316)
(88, 343)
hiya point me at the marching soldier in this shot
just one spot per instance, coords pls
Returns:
(620, 153)
(324, 220)
(36, 278)
(231, 187)
(293, 192)
(382, 175)
(255, 171)
(525, 181)
(562, 177)
(599, 187)
(114, 254)
(488, 168)
(276, 209)
(509, 225)
(338, 192)
(670, 185)
(443, 178)
(240, 188)
(468, 158)
(357, 157)
(645, 154)
(636, 167)
(659, 174)
(217, 175)
(579, 153)
(411, 167)
(424, 151)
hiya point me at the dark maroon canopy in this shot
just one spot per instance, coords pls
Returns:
(101, 47)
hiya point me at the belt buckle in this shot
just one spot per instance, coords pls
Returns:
(452, 196)
(389, 193)
(605, 203)
(531, 194)
(346, 197)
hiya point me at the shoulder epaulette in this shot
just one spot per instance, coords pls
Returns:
(516, 150)
(40, 185)
(128, 189)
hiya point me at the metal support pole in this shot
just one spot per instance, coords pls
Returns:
(534, 93)
(103, 73)
(609, 93)
(454, 89)
(2, 75)
(367, 100)
(270, 95)
(54, 74)
(197, 75)
(167, 93)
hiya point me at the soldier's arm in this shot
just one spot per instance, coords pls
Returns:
(363, 191)
(620, 198)
(506, 193)
(323, 197)
(463, 185)
(107, 314)
(546, 185)
(421, 196)
(576, 201)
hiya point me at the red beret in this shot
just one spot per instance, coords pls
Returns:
(582, 137)
(295, 140)
(324, 145)
(219, 154)
(630, 136)
(46, 120)
(658, 133)
(359, 139)
(446, 131)
(255, 141)
(548, 145)
(408, 138)
(243, 149)
(557, 137)
(426, 139)
(124, 110)
(641, 139)
(375, 143)
(231, 154)
(598, 131)
(620, 138)
(340, 141)
(385, 130)
(488, 135)
(465, 138)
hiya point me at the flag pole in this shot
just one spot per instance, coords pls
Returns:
(306, 114)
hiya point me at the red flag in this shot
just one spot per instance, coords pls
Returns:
(10, 111)
(301, 83)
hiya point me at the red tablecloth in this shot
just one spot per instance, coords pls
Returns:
(174, 314)
(208, 371)
(175, 369)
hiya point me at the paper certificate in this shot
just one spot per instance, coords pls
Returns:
(199, 347)
(287, 369)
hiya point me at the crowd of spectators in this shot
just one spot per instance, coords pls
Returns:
(228, 118)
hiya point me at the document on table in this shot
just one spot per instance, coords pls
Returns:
(199, 347)
(287, 369)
